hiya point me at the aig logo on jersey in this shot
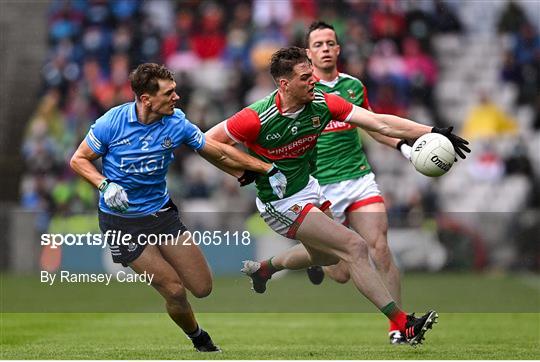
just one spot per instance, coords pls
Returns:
(147, 165)
(167, 143)
(316, 122)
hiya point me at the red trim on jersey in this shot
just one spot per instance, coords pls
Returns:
(244, 126)
(291, 233)
(365, 103)
(277, 100)
(370, 200)
(339, 108)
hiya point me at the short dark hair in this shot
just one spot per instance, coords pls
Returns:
(284, 60)
(144, 79)
(317, 25)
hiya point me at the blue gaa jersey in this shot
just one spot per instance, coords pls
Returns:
(137, 156)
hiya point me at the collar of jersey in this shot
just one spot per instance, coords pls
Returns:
(133, 116)
(292, 115)
(330, 84)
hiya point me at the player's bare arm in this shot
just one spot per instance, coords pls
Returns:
(82, 163)
(387, 124)
(397, 127)
(231, 160)
(219, 134)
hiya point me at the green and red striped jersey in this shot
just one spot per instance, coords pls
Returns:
(287, 140)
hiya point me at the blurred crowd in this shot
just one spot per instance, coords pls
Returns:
(219, 51)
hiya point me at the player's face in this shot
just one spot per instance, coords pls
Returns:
(164, 101)
(302, 84)
(323, 49)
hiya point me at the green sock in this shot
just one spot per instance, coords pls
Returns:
(271, 266)
(391, 310)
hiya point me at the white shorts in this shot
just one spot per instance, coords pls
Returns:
(352, 194)
(285, 216)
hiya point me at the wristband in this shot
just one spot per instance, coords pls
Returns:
(103, 185)
(401, 143)
(273, 170)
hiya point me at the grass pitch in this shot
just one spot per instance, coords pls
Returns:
(265, 336)
(499, 333)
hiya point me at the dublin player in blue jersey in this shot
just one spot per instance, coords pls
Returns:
(136, 143)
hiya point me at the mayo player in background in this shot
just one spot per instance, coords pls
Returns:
(136, 143)
(283, 128)
(344, 173)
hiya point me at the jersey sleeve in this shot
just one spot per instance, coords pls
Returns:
(99, 136)
(193, 137)
(244, 126)
(340, 109)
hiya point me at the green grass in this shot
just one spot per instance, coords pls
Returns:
(481, 317)
(264, 336)
(448, 292)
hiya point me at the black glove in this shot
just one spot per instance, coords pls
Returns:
(458, 142)
(247, 177)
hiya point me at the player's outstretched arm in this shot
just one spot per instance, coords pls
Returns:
(397, 127)
(245, 173)
(230, 159)
(387, 124)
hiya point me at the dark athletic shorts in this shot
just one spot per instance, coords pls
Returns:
(165, 221)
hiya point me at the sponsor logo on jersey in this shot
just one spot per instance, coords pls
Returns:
(316, 122)
(296, 209)
(273, 136)
(295, 148)
(440, 163)
(122, 142)
(147, 165)
(334, 126)
(167, 142)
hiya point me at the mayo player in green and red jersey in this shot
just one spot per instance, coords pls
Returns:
(343, 170)
(284, 127)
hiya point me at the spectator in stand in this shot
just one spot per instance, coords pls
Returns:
(420, 22)
(388, 21)
(487, 120)
(177, 47)
(527, 53)
(209, 40)
(421, 72)
(117, 89)
(386, 65)
(511, 18)
(446, 20)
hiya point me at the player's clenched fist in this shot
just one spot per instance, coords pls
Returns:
(114, 196)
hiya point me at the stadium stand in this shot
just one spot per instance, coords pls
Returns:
(429, 61)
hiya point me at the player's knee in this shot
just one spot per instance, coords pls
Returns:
(380, 252)
(356, 249)
(174, 292)
(202, 290)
